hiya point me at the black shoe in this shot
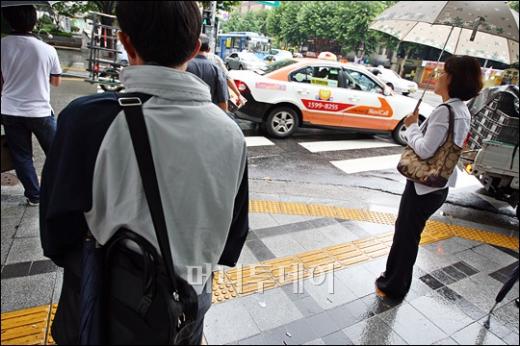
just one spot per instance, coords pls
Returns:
(382, 292)
(32, 202)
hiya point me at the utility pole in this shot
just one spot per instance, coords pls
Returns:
(212, 30)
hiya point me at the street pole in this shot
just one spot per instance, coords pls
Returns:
(212, 33)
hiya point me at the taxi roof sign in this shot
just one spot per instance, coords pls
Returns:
(270, 3)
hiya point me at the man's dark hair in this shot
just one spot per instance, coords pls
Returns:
(22, 19)
(163, 32)
(204, 39)
(466, 77)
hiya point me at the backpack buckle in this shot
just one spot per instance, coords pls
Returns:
(176, 296)
(129, 101)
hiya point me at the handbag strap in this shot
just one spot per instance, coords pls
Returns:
(133, 107)
(451, 128)
(451, 119)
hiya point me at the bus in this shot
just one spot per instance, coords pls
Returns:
(238, 41)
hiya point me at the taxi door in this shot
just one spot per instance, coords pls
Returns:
(371, 110)
(320, 93)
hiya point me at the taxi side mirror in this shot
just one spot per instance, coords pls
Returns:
(387, 91)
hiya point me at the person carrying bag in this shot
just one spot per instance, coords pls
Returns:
(429, 164)
(435, 171)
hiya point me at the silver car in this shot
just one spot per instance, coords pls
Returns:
(244, 61)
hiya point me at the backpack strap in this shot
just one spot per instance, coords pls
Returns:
(133, 107)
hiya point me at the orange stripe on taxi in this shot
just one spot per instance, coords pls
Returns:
(385, 110)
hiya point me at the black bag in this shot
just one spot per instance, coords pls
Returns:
(146, 301)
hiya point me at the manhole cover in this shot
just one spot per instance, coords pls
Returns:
(9, 179)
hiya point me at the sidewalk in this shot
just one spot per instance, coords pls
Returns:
(459, 271)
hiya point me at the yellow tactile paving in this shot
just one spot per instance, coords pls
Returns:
(25, 327)
(251, 279)
(287, 270)
(222, 288)
(321, 210)
(485, 237)
(30, 326)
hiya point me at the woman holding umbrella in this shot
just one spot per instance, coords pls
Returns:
(460, 81)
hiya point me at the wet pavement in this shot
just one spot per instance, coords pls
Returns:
(455, 281)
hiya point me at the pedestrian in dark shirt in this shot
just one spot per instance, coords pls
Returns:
(211, 74)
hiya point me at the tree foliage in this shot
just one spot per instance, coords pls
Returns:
(74, 8)
(290, 30)
(317, 19)
(352, 24)
(513, 5)
(222, 5)
(251, 21)
(295, 22)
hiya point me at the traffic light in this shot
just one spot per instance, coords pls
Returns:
(206, 18)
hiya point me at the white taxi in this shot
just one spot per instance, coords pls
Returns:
(296, 93)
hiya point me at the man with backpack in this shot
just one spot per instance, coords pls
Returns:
(92, 180)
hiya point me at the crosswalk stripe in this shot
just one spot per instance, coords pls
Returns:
(377, 163)
(316, 147)
(257, 141)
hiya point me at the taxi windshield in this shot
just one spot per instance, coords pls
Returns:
(278, 65)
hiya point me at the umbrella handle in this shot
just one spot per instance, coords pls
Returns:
(417, 106)
(478, 21)
(430, 79)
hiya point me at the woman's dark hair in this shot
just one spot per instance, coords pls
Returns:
(164, 32)
(466, 77)
(21, 19)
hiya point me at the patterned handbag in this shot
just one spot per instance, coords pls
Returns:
(435, 171)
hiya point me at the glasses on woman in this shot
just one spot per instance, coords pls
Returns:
(436, 74)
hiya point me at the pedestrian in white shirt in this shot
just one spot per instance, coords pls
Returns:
(460, 81)
(29, 67)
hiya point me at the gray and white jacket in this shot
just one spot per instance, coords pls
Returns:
(200, 158)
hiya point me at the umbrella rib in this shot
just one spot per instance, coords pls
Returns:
(442, 10)
(458, 40)
(409, 31)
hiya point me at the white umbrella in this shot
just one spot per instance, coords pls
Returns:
(431, 22)
(483, 29)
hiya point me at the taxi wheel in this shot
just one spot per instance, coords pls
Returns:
(282, 122)
(399, 131)
(398, 134)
